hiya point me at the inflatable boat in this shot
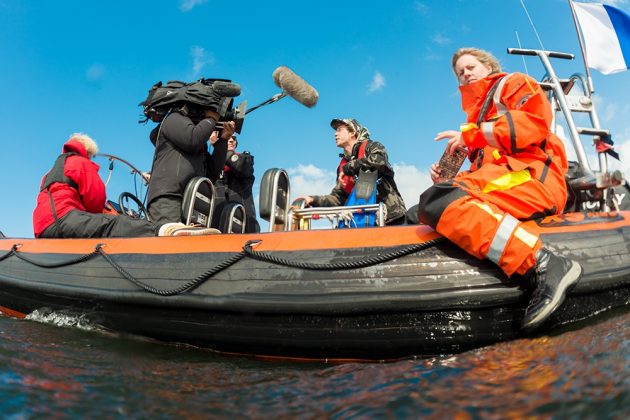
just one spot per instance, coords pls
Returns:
(368, 294)
(376, 293)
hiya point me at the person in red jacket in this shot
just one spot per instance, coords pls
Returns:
(72, 198)
(517, 173)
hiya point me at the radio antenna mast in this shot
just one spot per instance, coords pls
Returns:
(518, 40)
(531, 22)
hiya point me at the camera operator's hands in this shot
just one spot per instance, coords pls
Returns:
(208, 113)
(228, 130)
(214, 137)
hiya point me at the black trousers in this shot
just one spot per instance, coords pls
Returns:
(80, 224)
(166, 209)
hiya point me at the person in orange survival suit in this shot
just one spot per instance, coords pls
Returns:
(517, 173)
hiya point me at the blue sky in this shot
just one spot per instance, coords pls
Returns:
(79, 66)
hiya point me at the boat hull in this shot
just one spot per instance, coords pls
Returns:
(437, 300)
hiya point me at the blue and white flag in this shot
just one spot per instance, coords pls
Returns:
(606, 33)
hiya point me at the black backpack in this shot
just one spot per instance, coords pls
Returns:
(203, 93)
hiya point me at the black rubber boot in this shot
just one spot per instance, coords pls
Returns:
(552, 278)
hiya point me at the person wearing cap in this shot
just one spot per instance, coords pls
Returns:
(236, 181)
(361, 153)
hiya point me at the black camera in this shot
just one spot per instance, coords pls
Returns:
(225, 90)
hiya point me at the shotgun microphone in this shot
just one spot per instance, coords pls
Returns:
(294, 86)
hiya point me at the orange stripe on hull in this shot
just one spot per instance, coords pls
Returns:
(10, 312)
(300, 240)
(276, 241)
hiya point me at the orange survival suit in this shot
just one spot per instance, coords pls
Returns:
(517, 173)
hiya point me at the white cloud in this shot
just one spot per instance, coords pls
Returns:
(421, 8)
(609, 110)
(187, 5)
(623, 148)
(411, 182)
(441, 40)
(310, 180)
(378, 83)
(200, 59)
(95, 72)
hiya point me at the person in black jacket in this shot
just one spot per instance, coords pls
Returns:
(236, 182)
(181, 153)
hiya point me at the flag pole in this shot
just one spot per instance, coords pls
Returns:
(579, 34)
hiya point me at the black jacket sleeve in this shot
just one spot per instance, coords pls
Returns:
(216, 161)
(185, 134)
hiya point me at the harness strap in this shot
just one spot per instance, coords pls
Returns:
(56, 174)
(349, 179)
(490, 97)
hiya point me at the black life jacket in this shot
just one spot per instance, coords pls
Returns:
(56, 174)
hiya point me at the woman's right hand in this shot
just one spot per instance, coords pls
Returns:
(455, 140)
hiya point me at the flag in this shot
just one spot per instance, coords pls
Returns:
(606, 34)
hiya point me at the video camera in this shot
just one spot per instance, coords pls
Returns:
(215, 94)
(227, 90)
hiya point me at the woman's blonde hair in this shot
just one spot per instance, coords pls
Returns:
(484, 57)
(87, 142)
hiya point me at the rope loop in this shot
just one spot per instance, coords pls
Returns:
(346, 265)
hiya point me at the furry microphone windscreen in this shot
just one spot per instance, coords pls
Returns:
(226, 89)
(294, 86)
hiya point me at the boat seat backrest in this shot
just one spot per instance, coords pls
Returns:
(233, 217)
(274, 196)
(198, 202)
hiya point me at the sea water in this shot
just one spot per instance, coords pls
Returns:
(62, 369)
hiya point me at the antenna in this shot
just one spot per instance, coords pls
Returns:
(531, 22)
(523, 57)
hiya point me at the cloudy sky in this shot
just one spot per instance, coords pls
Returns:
(77, 66)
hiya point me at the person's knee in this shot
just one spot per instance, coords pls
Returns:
(435, 200)
(412, 217)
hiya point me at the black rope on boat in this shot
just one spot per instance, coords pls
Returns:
(247, 251)
(7, 254)
(346, 265)
(192, 284)
(77, 260)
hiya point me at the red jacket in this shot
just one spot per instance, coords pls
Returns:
(90, 196)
